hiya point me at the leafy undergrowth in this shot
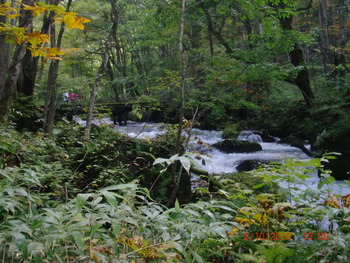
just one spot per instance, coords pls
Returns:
(46, 217)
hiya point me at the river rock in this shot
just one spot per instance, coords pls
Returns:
(248, 165)
(235, 146)
(249, 136)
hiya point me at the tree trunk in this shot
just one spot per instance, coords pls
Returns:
(27, 78)
(8, 92)
(114, 86)
(181, 181)
(302, 80)
(9, 77)
(3, 57)
(339, 58)
(324, 43)
(51, 94)
(98, 79)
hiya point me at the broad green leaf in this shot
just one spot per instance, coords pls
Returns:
(94, 227)
(160, 160)
(177, 206)
(78, 239)
(80, 201)
(198, 259)
(96, 201)
(22, 244)
(257, 186)
(115, 228)
(120, 187)
(110, 198)
(186, 164)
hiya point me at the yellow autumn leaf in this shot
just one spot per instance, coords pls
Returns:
(36, 38)
(37, 10)
(13, 16)
(55, 52)
(73, 21)
(38, 52)
(5, 9)
(94, 256)
(56, 8)
(261, 218)
(4, 29)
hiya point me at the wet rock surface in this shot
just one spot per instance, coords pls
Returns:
(236, 146)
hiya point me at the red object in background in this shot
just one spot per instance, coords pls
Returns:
(316, 236)
(72, 97)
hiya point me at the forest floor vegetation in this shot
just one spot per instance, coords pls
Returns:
(64, 199)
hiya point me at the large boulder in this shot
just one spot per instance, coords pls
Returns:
(248, 165)
(235, 146)
(249, 136)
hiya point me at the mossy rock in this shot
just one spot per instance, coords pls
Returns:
(236, 146)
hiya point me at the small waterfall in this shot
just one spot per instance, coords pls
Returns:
(249, 136)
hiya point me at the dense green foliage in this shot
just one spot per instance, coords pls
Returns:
(279, 67)
(66, 200)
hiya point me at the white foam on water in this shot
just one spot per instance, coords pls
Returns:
(219, 162)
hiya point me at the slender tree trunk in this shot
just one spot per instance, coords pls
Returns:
(114, 86)
(96, 84)
(3, 55)
(339, 58)
(179, 178)
(51, 94)
(324, 43)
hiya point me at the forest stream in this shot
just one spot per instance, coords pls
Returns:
(218, 162)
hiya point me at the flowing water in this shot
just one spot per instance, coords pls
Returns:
(219, 162)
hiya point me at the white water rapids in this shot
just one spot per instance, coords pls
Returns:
(220, 162)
